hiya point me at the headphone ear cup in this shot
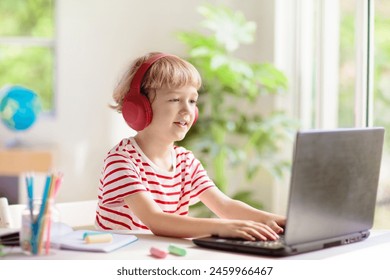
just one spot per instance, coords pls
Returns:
(136, 111)
(196, 115)
(136, 108)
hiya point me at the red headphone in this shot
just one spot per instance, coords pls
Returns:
(136, 108)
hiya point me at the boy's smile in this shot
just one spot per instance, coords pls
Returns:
(181, 124)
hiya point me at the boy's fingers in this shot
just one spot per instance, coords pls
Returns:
(265, 232)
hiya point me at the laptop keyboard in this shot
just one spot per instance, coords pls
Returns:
(259, 244)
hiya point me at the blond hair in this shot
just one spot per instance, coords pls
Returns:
(167, 72)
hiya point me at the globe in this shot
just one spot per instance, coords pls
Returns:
(19, 108)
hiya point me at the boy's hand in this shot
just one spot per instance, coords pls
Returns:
(277, 223)
(247, 230)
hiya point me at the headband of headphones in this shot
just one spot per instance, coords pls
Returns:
(136, 82)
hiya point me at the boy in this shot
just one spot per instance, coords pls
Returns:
(148, 182)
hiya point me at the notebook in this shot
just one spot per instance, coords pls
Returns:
(75, 241)
(332, 196)
(64, 237)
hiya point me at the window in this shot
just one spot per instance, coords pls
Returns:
(27, 48)
(340, 73)
(364, 29)
(381, 102)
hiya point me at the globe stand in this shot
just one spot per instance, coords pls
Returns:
(14, 143)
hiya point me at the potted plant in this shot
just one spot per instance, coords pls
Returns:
(230, 131)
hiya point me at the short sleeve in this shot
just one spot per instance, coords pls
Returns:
(120, 178)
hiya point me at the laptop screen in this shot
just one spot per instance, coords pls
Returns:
(334, 182)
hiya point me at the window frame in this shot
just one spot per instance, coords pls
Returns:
(314, 90)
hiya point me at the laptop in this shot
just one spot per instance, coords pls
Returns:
(332, 197)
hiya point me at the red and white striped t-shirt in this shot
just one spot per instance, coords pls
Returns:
(127, 171)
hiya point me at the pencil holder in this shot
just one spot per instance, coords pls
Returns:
(38, 227)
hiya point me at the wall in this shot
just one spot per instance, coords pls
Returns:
(96, 40)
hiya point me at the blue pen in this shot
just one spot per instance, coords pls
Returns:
(30, 194)
(37, 223)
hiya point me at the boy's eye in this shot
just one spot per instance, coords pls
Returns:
(192, 101)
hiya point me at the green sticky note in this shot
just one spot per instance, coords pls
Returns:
(177, 250)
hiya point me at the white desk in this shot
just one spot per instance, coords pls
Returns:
(377, 246)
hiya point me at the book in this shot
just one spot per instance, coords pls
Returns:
(74, 240)
(9, 237)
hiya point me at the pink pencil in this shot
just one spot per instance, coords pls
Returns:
(53, 192)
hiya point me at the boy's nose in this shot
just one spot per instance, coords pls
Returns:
(186, 107)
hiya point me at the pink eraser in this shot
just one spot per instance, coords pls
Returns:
(155, 252)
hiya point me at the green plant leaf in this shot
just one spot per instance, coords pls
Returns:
(230, 28)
